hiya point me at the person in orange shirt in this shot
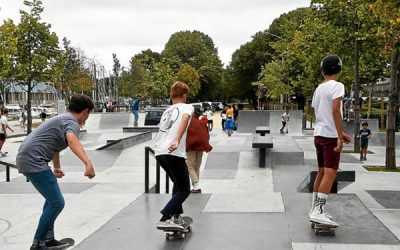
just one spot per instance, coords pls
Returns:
(229, 111)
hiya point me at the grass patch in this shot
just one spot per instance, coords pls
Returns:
(351, 151)
(381, 169)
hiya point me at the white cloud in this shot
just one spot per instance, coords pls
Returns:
(125, 27)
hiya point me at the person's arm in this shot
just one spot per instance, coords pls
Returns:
(77, 148)
(182, 128)
(12, 130)
(337, 117)
(58, 172)
(369, 134)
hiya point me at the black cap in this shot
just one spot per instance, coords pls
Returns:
(331, 65)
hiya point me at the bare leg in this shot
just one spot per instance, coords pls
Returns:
(318, 179)
(328, 178)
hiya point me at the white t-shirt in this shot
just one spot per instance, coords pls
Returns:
(3, 121)
(322, 103)
(285, 117)
(210, 115)
(169, 126)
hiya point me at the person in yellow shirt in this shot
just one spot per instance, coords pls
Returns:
(229, 111)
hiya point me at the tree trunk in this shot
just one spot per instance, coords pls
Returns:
(382, 111)
(370, 101)
(356, 96)
(391, 110)
(29, 107)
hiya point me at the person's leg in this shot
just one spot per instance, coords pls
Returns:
(136, 116)
(191, 162)
(283, 126)
(2, 140)
(211, 125)
(46, 184)
(197, 164)
(331, 161)
(177, 167)
(223, 125)
(365, 151)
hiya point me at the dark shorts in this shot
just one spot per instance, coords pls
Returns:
(364, 144)
(210, 121)
(262, 99)
(3, 137)
(326, 156)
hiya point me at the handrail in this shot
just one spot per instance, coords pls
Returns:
(8, 166)
(147, 151)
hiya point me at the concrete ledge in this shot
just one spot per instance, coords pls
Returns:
(124, 143)
(342, 176)
(139, 129)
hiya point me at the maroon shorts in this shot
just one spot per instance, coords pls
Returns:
(326, 155)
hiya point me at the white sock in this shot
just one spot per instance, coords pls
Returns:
(321, 202)
(314, 199)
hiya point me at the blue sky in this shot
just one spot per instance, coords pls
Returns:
(126, 27)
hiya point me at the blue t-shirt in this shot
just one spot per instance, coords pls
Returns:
(40, 146)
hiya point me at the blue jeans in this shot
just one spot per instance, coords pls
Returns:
(46, 183)
(177, 170)
(136, 116)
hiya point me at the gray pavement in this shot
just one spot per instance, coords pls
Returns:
(242, 206)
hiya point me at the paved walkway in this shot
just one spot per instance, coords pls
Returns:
(242, 207)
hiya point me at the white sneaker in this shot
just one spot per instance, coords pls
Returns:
(178, 220)
(169, 224)
(327, 215)
(322, 219)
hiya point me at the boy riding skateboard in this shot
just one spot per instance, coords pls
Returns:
(328, 137)
(170, 151)
(40, 147)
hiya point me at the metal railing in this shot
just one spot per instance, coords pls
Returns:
(8, 166)
(147, 151)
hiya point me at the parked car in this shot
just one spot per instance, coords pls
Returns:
(202, 106)
(218, 106)
(153, 116)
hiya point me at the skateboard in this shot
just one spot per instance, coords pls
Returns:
(322, 229)
(69, 241)
(172, 234)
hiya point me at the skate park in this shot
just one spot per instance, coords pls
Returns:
(242, 205)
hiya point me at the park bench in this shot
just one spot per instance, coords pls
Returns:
(262, 143)
(262, 130)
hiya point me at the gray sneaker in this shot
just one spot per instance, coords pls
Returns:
(169, 224)
(178, 219)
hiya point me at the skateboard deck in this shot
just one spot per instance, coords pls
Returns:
(172, 234)
(69, 241)
(322, 229)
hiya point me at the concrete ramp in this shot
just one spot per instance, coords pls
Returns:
(114, 120)
(249, 120)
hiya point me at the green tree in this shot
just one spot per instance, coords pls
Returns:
(190, 76)
(160, 80)
(197, 50)
(8, 50)
(37, 51)
(387, 13)
(115, 78)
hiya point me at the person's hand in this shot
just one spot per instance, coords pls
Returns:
(173, 146)
(58, 172)
(89, 171)
(346, 138)
(339, 146)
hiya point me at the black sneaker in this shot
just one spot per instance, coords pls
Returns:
(36, 247)
(55, 244)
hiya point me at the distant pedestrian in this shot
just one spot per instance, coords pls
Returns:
(262, 96)
(43, 115)
(134, 109)
(236, 115)
(3, 130)
(229, 125)
(204, 119)
(170, 151)
(22, 121)
(40, 147)
(197, 142)
(223, 118)
(229, 111)
(285, 120)
(365, 135)
(210, 118)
